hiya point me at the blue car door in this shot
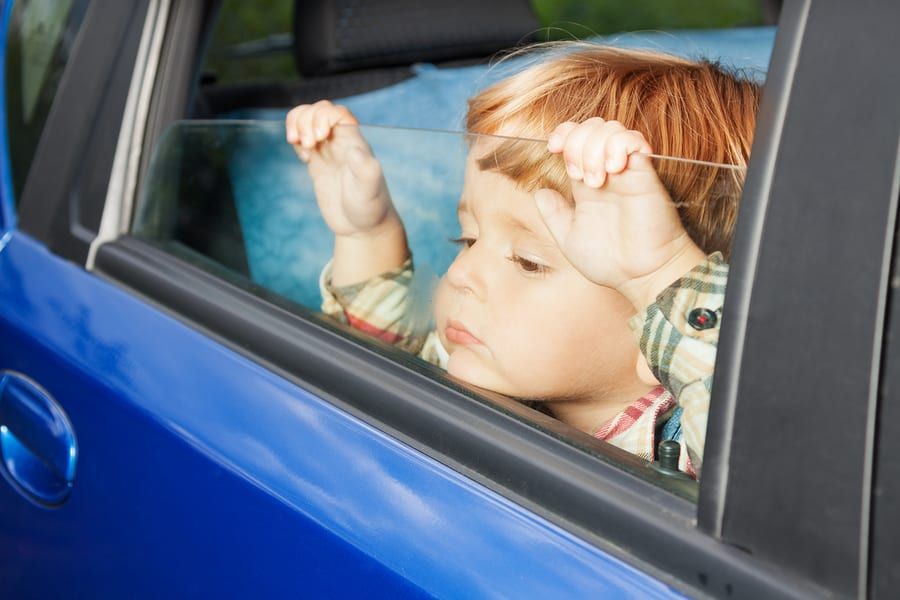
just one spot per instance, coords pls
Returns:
(143, 456)
(171, 428)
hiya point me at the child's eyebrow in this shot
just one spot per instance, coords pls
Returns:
(517, 223)
(514, 222)
(541, 236)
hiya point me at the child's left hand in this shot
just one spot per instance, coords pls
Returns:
(624, 231)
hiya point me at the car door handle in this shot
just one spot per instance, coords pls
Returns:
(37, 442)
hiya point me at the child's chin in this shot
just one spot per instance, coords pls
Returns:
(465, 365)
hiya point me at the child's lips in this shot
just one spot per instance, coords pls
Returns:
(457, 333)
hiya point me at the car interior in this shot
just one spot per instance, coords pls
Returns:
(243, 205)
(392, 64)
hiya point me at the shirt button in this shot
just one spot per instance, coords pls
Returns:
(702, 318)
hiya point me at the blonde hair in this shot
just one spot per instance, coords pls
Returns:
(687, 109)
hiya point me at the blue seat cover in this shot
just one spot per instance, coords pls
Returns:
(286, 241)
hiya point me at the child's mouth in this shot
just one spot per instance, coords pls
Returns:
(457, 333)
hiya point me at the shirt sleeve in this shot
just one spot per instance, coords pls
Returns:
(678, 335)
(390, 307)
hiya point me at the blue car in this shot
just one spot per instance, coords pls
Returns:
(177, 419)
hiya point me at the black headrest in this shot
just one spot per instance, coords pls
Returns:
(331, 36)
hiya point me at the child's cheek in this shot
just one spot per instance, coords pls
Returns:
(440, 303)
(527, 348)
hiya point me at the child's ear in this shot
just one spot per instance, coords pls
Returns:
(643, 371)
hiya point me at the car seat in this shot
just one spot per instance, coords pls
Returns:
(373, 58)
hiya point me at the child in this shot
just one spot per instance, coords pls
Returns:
(562, 265)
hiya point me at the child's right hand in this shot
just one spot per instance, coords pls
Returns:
(350, 188)
(352, 195)
(623, 230)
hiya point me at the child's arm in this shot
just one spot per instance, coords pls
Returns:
(368, 284)
(624, 232)
(390, 307)
(353, 198)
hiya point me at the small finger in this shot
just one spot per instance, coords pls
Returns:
(289, 133)
(340, 115)
(304, 126)
(594, 152)
(290, 124)
(557, 139)
(620, 146)
(574, 148)
(320, 127)
(328, 117)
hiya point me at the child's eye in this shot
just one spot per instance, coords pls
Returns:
(529, 266)
(468, 242)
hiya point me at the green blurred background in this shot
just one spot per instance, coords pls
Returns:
(241, 21)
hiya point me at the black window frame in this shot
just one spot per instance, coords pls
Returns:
(802, 341)
(721, 547)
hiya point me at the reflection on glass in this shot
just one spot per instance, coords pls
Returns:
(599, 304)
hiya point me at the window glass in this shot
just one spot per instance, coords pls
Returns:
(476, 283)
(604, 315)
(40, 39)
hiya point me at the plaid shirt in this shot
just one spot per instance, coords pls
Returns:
(682, 357)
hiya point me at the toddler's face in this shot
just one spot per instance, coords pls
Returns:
(515, 316)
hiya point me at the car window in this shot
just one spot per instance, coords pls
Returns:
(227, 192)
(39, 41)
(542, 334)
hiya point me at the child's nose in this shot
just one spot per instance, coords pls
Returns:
(466, 272)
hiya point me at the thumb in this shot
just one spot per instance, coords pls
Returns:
(556, 213)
